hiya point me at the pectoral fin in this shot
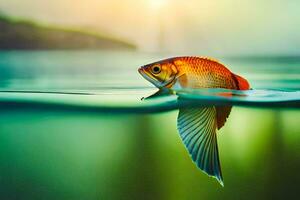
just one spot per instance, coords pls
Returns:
(197, 128)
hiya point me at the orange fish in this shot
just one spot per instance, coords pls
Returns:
(197, 126)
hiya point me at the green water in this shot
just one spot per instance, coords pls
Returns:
(72, 126)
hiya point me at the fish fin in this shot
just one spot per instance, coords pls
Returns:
(222, 115)
(242, 83)
(159, 93)
(197, 129)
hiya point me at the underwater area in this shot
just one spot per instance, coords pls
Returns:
(73, 126)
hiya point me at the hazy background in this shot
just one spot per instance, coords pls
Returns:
(72, 123)
(203, 27)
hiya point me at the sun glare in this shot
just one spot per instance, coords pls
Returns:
(157, 4)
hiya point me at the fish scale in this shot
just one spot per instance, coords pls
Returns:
(206, 73)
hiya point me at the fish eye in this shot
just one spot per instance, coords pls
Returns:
(156, 69)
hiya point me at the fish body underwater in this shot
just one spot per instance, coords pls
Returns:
(197, 126)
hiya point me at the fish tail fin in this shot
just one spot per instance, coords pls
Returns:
(241, 82)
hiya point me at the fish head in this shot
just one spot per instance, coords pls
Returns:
(162, 74)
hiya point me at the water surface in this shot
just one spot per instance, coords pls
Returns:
(73, 126)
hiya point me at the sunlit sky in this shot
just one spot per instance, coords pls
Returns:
(203, 27)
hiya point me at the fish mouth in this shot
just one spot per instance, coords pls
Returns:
(140, 70)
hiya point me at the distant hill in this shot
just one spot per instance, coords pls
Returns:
(20, 34)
